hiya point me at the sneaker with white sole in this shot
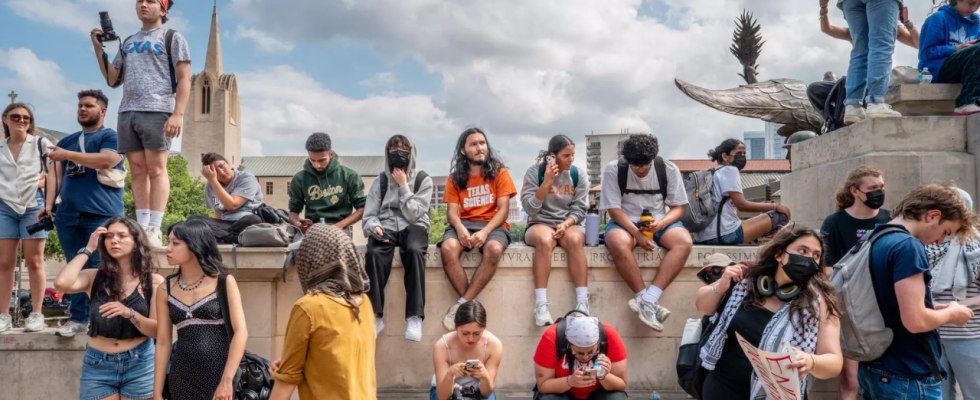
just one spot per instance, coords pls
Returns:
(379, 325)
(71, 328)
(583, 306)
(155, 236)
(882, 110)
(450, 321)
(35, 322)
(5, 323)
(413, 329)
(968, 109)
(542, 316)
(854, 114)
(652, 314)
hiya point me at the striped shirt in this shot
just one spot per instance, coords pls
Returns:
(971, 330)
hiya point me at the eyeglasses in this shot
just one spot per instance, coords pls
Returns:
(584, 355)
(19, 117)
(637, 168)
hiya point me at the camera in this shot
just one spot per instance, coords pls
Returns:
(74, 170)
(45, 223)
(108, 34)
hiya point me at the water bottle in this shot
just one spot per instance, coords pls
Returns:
(592, 227)
(647, 216)
(323, 221)
(655, 395)
(925, 77)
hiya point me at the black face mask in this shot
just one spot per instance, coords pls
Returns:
(800, 269)
(398, 159)
(875, 199)
(739, 161)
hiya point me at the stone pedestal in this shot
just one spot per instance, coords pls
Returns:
(920, 100)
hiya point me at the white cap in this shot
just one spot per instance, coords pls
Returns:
(582, 331)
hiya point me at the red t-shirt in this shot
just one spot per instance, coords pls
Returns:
(545, 356)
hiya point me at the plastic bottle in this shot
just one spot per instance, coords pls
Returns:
(646, 216)
(925, 77)
(323, 221)
(592, 227)
(655, 395)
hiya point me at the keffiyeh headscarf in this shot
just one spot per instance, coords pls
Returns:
(327, 263)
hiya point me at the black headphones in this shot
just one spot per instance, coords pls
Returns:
(766, 286)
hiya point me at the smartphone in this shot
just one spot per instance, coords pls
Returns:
(589, 372)
(903, 15)
(974, 307)
(470, 364)
(551, 159)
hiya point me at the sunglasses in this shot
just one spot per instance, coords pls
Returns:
(19, 117)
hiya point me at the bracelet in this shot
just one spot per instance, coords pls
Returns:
(814, 367)
(567, 382)
(132, 313)
(714, 289)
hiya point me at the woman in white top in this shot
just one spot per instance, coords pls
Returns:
(466, 361)
(22, 166)
(727, 186)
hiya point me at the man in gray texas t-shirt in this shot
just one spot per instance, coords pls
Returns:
(152, 109)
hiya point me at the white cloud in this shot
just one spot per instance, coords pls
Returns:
(83, 15)
(262, 40)
(381, 80)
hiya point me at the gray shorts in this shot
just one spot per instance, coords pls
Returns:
(500, 234)
(138, 130)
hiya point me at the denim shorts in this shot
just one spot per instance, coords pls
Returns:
(14, 226)
(656, 236)
(129, 373)
(432, 395)
(733, 238)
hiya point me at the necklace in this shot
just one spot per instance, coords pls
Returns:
(189, 286)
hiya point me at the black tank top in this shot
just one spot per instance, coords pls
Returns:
(733, 369)
(117, 327)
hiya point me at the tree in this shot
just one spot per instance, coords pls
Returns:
(437, 218)
(517, 232)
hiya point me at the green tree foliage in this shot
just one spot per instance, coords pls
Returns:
(437, 217)
(517, 232)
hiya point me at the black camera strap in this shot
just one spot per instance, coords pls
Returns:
(105, 61)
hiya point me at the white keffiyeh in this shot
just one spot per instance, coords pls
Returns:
(782, 327)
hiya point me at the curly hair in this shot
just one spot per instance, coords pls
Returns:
(946, 199)
(724, 148)
(765, 264)
(141, 260)
(844, 197)
(640, 149)
(14, 106)
(555, 146)
(460, 169)
(318, 142)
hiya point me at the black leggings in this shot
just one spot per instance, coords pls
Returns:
(598, 394)
(412, 244)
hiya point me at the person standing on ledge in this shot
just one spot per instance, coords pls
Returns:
(154, 67)
(873, 32)
(478, 199)
(329, 192)
(907, 33)
(638, 193)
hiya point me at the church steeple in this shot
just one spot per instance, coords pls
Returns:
(213, 62)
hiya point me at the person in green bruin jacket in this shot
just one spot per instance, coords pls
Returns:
(329, 192)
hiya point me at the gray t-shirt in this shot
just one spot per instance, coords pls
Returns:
(147, 86)
(726, 180)
(634, 204)
(243, 184)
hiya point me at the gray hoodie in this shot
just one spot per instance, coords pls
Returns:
(563, 200)
(400, 207)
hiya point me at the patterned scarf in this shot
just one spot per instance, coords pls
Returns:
(782, 327)
(945, 271)
(327, 263)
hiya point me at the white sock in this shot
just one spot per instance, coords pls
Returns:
(582, 293)
(461, 300)
(156, 218)
(652, 294)
(540, 295)
(143, 218)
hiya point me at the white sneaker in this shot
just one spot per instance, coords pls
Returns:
(35, 323)
(70, 329)
(155, 236)
(413, 331)
(450, 321)
(4, 322)
(652, 314)
(583, 305)
(379, 325)
(882, 110)
(854, 114)
(968, 109)
(542, 316)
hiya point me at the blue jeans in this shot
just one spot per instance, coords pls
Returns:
(656, 236)
(874, 28)
(432, 395)
(961, 357)
(733, 238)
(128, 373)
(880, 385)
(73, 234)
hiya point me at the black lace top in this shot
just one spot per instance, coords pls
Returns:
(117, 327)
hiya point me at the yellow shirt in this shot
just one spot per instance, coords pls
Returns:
(327, 352)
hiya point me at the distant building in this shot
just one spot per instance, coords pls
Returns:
(775, 142)
(755, 145)
(601, 150)
(438, 190)
(514, 211)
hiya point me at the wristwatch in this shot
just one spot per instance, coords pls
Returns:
(84, 250)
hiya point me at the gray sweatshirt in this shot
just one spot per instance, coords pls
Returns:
(400, 207)
(563, 200)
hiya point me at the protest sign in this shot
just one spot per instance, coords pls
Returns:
(772, 370)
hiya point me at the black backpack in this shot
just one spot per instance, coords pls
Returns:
(252, 380)
(690, 373)
(561, 342)
(622, 174)
(271, 215)
(383, 181)
(833, 107)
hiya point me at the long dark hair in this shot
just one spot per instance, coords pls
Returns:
(141, 260)
(555, 146)
(201, 241)
(469, 312)
(460, 170)
(765, 264)
(724, 148)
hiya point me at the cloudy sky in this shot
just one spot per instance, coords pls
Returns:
(521, 70)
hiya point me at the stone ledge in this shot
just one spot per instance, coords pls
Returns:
(19, 340)
(921, 100)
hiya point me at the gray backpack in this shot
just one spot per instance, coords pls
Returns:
(267, 235)
(701, 207)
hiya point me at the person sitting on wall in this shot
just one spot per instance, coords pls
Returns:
(467, 360)
(232, 194)
(587, 360)
(329, 193)
(950, 51)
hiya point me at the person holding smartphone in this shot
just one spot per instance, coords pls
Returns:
(466, 361)
(907, 32)
(950, 51)
(396, 215)
(590, 366)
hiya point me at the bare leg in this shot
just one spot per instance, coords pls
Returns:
(620, 244)
(451, 249)
(574, 244)
(756, 227)
(140, 179)
(541, 238)
(34, 255)
(113, 397)
(156, 170)
(678, 243)
(8, 258)
(848, 389)
(488, 267)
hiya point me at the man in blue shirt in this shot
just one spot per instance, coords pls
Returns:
(909, 368)
(86, 204)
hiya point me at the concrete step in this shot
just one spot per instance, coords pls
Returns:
(921, 100)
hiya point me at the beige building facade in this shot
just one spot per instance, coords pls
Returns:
(601, 150)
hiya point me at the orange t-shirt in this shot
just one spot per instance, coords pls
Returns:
(478, 202)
